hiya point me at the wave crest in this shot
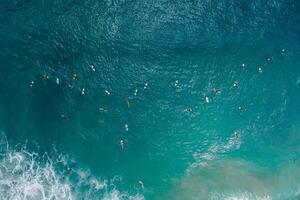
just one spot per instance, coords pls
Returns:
(28, 176)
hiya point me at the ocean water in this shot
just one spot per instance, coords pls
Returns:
(166, 100)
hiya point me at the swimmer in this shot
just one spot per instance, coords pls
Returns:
(235, 83)
(122, 144)
(141, 184)
(46, 77)
(270, 58)
(127, 102)
(31, 83)
(93, 68)
(65, 117)
(74, 77)
(236, 134)
(126, 127)
(107, 92)
(135, 92)
(189, 110)
(176, 83)
(241, 108)
(217, 91)
(260, 70)
(57, 81)
(103, 109)
(70, 87)
(283, 51)
(243, 65)
(206, 99)
(83, 91)
(69, 169)
(146, 86)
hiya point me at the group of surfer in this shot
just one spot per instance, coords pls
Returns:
(235, 84)
(216, 91)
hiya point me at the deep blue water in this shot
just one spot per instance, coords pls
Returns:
(150, 99)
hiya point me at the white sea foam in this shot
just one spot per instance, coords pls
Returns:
(201, 158)
(24, 175)
(214, 177)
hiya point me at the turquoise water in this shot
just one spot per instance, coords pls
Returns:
(149, 99)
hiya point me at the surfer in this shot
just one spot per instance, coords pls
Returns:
(189, 110)
(107, 92)
(146, 86)
(83, 91)
(103, 109)
(206, 99)
(70, 87)
(65, 117)
(127, 102)
(57, 81)
(46, 77)
(236, 134)
(93, 68)
(74, 77)
(217, 91)
(122, 144)
(141, 184)
(242, 108)
(235, 84)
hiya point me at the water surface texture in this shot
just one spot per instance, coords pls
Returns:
(157, 99)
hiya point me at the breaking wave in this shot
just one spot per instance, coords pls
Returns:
(26, 175)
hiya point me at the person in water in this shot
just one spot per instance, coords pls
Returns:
(145, 85)
(103, 109)
(122, 144)
(206, 99)
(242, 108)
(189, 110)
(176, 84)
(74, 77)
(127, 102)
(57, 81)
(46, 77)
(141, 184)
(82, 91)
(236, 134)
(126, 127)
(70, 87)
(217, 91)
(235, 84)
(65, 117)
